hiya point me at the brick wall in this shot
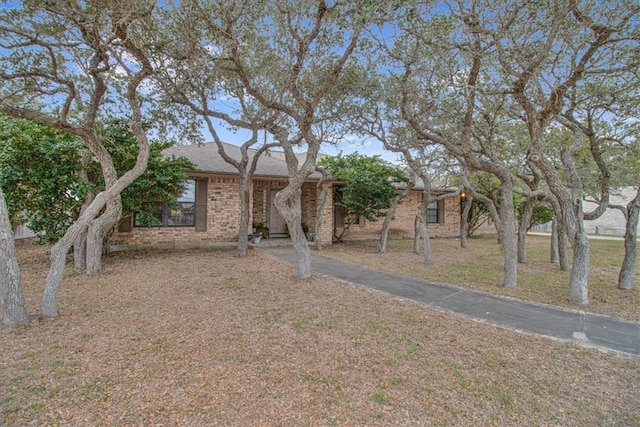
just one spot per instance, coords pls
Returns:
(223, 217)
(262, 210)
(402, 226)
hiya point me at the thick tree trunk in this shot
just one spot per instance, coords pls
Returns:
(322, 200)
(97, 231)
(523, 227)
(427, 256)
(464, 221)
(563, 249)
(508, 220)
(60, 249)
(57, 259)
(290, 209)
(554, 257)
(245, 206)
(578, 286)
(80, 245)
(80, 251)
(628, 269)
(12, 302)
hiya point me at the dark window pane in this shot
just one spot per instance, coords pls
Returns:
(165, 216)
(432, 213)
(189, 194)
(183, 216)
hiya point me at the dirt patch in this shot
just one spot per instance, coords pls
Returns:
(200, 337)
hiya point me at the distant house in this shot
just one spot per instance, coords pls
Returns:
(611, 222)
(209, 209)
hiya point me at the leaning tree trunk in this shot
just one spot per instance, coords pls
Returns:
(57, 258)
(12, 303)
(60, 249)
(554, 254)
(97, 231)
(628, 269)
(386, 225)
(245, 206)
(523, 227)
(421, 230)
(80, 251)
(290, 209)
(80, 245)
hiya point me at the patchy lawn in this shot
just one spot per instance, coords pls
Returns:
(199, 337)
(480, 266)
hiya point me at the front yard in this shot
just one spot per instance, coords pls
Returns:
(199, 337)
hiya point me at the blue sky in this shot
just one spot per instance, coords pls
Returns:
(367, 147)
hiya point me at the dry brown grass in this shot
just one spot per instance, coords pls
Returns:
(199, 337)
(480, 267)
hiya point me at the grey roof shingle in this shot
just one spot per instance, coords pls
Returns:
(206, 158)
(271, 164)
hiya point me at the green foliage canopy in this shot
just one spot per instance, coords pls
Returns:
(40, 174)
(369, 184)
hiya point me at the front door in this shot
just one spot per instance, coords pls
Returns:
(277, 224)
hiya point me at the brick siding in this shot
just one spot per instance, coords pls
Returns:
(223, 216)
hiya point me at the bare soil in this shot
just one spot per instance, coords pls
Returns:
(200, 337)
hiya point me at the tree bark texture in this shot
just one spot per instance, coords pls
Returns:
(12, 302)
(80, 245)
(322, 200)
(563, 249)
(508, 220)
(628, 269)
(578, 287)
(243, 227)
(523, 227)
(290, 209)
(386, 225)
(416, 235)
(427, 256)
(97, 231)
(80, 251)
(554, 254)
(464, 221)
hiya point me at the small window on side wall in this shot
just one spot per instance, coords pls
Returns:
(182, 214)
(432, 213)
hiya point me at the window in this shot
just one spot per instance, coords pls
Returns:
(183, 215)
(432, 213)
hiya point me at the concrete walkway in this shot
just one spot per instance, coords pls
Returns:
(602, 332)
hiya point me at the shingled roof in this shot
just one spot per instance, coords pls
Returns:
(271, 164)
(206, 158)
